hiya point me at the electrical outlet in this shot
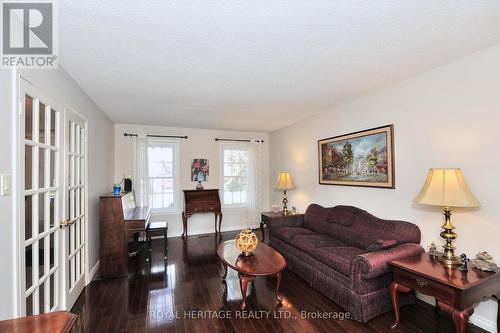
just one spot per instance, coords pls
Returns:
(5, 184)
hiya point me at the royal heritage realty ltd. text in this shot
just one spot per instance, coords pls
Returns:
(257, 314)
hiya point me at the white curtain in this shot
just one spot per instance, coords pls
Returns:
(255, 183)
(142, 191)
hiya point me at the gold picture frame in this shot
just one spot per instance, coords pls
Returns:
(364, 158)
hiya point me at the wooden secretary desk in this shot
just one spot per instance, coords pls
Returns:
(201, 201)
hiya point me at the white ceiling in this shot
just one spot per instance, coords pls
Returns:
(257, 65)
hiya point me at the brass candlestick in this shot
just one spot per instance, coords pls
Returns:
(448, 258)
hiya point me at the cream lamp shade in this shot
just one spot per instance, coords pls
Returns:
(446, 188)
(284, 182)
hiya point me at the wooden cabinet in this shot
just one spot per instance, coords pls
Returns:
(201, 201)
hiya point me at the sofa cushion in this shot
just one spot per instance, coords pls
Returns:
(309, 243)
(343, 215)
(338, 258)
(368, 229)
(314, 215)
(357, 227)
(287, 233)
(381, 244)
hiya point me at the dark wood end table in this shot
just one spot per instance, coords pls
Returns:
(264, 261)
(455, 292)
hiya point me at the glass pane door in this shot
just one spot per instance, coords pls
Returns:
(40, 128)
(75, 213)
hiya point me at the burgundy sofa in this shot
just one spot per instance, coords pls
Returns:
(343, 252)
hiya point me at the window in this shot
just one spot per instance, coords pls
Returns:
(235, 175)
(162, 175)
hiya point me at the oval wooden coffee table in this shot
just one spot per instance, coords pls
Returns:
(264, 261)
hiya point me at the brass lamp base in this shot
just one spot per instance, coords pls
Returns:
(448, 257)
(449, 261)
(285, 202)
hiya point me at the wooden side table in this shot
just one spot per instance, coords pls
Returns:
(497, 296)
(264, 218)
(54, 322)
(455, 292)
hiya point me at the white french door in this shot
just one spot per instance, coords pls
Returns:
(52, 200)
(40, 201)
(74, 224)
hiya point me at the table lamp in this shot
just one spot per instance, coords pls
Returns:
(284, 183)
(446, 188)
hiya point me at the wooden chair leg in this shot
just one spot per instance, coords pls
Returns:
(148, 244)
(165, 245)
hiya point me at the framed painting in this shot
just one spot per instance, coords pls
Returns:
(199, 170)
(364, 158)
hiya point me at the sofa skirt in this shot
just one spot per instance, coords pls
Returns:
(336, 286)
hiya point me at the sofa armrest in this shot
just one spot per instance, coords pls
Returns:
(293, 220)
(374, 264)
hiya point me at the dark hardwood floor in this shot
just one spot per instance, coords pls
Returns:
(162, 296)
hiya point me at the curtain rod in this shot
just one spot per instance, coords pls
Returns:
(239, 140)
(157, 136)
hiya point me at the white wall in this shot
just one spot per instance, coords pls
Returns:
(58, 84)
(7, 257)
(201, 144)
(447, 117)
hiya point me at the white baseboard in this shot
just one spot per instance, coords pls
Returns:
(484, 323)
(479, 321)
(93, 272)
(195, 233)
(239, 228)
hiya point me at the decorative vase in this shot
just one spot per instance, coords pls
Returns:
(246, 242)
(199, 186)
(117, 189)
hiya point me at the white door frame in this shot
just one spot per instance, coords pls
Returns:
(18, 196)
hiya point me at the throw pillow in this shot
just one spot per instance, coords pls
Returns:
(381, 244)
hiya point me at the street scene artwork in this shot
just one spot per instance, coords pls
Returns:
(363, 158)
